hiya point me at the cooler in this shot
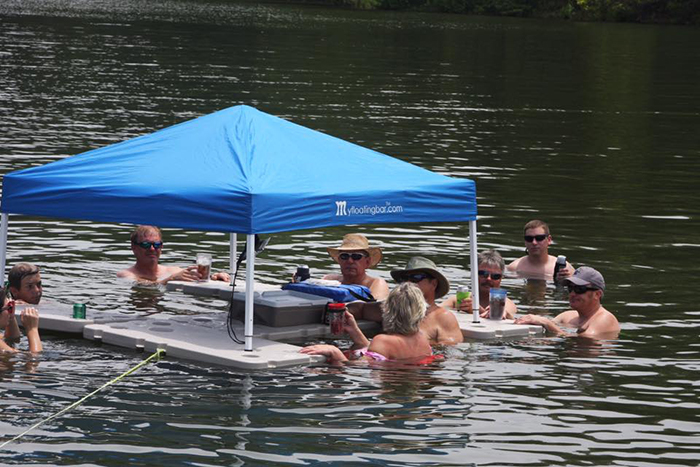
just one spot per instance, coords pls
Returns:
(279, 308)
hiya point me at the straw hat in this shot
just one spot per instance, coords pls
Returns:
(355, 242)
(418, 264)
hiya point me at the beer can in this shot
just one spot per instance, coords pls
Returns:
(79, 311)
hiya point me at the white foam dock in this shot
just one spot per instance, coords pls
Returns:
(491, 329)
(202, 338)
(219, 289)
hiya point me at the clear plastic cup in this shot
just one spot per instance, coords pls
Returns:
(204, 266)
(497, 304)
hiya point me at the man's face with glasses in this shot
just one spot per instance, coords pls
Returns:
(537, 241)
(148, 247)
(353, 263)
(489, 277)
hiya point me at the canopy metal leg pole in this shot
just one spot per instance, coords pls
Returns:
(233, 254)
(3, 245)
(474, 268)
(249, 291)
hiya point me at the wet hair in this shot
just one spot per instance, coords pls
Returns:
(18, 272)
(403, 310)
(492, 258)
(535, 223)
(142, 230)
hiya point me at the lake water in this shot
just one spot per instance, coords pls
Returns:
(591, 127)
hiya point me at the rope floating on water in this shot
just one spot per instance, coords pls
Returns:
(157, 355)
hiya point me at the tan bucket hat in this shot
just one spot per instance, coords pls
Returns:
(355, 242)
(418, 264)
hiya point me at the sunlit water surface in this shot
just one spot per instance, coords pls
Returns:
(593, 128)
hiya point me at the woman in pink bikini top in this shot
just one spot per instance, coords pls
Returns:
(402, 313)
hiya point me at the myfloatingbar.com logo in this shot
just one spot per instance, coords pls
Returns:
(342, 209)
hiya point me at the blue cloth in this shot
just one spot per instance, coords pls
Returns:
(238, 170)
(342, 293)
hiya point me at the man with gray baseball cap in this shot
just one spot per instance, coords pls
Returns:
(586, 288)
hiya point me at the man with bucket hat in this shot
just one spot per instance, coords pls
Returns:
(439, 325)
(586, 288)
(355, 256)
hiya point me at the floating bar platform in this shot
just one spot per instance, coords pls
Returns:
(204, 337)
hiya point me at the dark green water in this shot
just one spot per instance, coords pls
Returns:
(591, 127)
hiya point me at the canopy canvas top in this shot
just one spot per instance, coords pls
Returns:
(238, 170)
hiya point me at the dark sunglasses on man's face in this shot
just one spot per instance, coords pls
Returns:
(494, 276)
(579, 289)
(148, 245)
(354, 256)
(539, 238)
(415, 278)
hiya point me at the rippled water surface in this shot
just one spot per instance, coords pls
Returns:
(591, 127)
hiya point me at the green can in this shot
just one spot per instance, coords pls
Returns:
(79, 311)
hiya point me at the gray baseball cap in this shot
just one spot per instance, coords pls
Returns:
(587, 276)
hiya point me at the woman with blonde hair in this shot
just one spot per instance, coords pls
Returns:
(402, 313)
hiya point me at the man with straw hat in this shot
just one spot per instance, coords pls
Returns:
(439, 325)
(355, 256)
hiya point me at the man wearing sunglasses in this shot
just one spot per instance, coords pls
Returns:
(25, 283)
(538, 264)
(588, 317)
(355, 256)
(147, 245)
(491, 266)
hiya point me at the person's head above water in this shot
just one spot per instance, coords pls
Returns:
(403, 310)
(425, 274)
(537, 238)
(25, 283)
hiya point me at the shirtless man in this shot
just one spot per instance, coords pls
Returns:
(491, 266)
(538, 264)
(147, 245)
(25, 283)
(355, 256)
(586, 288)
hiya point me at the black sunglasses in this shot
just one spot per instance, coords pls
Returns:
(415, 278)
(539, 238)
(148, 245)
(494, 276)
(354, 256)
(579, 289)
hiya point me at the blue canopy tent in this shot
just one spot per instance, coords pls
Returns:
(238, 170)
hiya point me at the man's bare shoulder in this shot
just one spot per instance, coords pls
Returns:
(514, 265)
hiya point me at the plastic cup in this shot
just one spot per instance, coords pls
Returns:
(336, 315)
(204, 266)
(497, 304)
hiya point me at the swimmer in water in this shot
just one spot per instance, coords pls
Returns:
(30, 322)
(586, 288)
(402, 312)
(538, 264)
(147, 245)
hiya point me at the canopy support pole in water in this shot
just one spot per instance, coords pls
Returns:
(3, 245)
(474, 268)
(233, 253)
(249, 291)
